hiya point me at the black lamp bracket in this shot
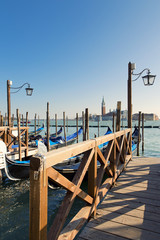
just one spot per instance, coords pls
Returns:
(19, 88)
(139, 74)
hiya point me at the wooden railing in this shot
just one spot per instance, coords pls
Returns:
(112, 162)
(3, 134)
(6, 134)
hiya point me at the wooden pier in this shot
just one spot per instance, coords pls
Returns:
(131, 209)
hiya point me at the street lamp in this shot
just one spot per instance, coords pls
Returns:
(148, 80)
(29, 92)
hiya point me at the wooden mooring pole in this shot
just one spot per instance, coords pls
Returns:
(86, 124)
(118, 119)
(48, 125)
(113, 122)
(35, 123)
(64, 126)
(67, 123)
(142, 132)
(26, 136)
(83, 125)
(98, 125)
(130, 100)
(77, 125)
(139, 128)
(19, 136)
(56, 123)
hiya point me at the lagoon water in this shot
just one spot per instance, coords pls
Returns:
(14, 196)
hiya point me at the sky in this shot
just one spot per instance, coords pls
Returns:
(74, 52)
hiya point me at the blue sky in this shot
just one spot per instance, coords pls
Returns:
(74, 52)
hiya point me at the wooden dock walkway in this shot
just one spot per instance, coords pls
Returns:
(131, 210)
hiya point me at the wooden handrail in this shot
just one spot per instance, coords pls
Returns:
(112, 161)
(9, 139)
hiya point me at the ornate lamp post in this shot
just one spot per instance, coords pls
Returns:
(29, 92)
(148, 80)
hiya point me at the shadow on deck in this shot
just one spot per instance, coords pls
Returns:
(132, 207)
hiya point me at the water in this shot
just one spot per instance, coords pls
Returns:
(14, 196)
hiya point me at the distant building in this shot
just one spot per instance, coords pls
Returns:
(147, 116)
(103, 107)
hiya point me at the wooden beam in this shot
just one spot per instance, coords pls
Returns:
(38, 200)
(68, 185)
(92, 178)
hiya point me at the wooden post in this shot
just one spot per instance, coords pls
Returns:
(38, 199)
(26, 136)
(64, 126)
(113, 164)
(56, 123)
(22, 124)
(92, 178)
(113, 123)
(2, 120)
(142, 132)
(48, 126)
(139, 128)
(118, 119)
(9, 83)
(19, 136)
(122, 121)
(86, 124)
(130, 100)
(67, 123)
(83, 125)
(77, 125)
(98, 125)
(35, 123)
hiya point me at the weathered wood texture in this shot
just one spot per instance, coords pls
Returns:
(132, 207)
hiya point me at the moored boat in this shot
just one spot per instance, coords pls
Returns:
(61, 141)
(32, 134)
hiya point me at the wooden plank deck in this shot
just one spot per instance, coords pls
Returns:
(131, 210)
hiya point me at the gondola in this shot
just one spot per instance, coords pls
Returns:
(16, 170)
(61, 142)
(38, 137)
(54, 135)
(35, 133)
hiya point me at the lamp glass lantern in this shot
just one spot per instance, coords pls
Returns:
(29, 91)
(148, 79)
